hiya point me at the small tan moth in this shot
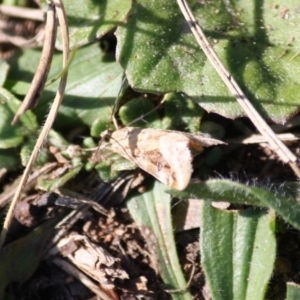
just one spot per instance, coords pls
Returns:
(165, 154)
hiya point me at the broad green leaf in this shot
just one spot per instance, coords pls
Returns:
(225, 190)
(89, 20)
(293, 291)
(152, 212)
(93, 84)
(20, 258)
(238, 251)
(12, 136)
(22, 68)
(256, 43)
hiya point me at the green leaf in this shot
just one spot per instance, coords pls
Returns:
(57, 140)
(225, 190)
(152, 212)
(136, 108)
(159, 54)
(26, 152)
(50, 185)
(181, 113)
(20, 258)
(9, 159)
(89, 20)
(93, 84)
(238, 251)
(293, 291)
(12, 136)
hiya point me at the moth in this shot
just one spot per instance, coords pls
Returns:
(165, 154)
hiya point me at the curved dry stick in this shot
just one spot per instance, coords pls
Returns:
(41, 74)
(49, 121)
(276, 144)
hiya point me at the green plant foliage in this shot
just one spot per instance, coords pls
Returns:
(57, 140)
(238, 251)
(229, 191)
(26, 151)
(93, 84)
(52, 185)
(159, 54)
(9, 159)
(136, 111)
(293, 291)
(152, 212)
(90, 20)
(180, 112)
(20, 259)
(12, 136)
(257, 42)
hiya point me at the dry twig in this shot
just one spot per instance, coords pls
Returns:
(56, 5)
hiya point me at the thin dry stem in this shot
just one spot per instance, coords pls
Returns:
(49, 121)
(40, 76)
(22, 12)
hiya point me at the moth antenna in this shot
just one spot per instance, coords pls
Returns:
(115, 108)
(107, 134)
(105, 137)
(146, 114)
(113, 120)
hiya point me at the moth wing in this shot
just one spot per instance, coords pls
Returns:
(172, 166)
(199, 141)
(163, 154)
(178, 156)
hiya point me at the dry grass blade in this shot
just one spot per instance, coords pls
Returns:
(9, 192)
(22, 12)
(276, 144)
(84, 279)
(49, 121)
(40, 76)
(257, 138)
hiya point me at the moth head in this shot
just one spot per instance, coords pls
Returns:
(106, 135)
